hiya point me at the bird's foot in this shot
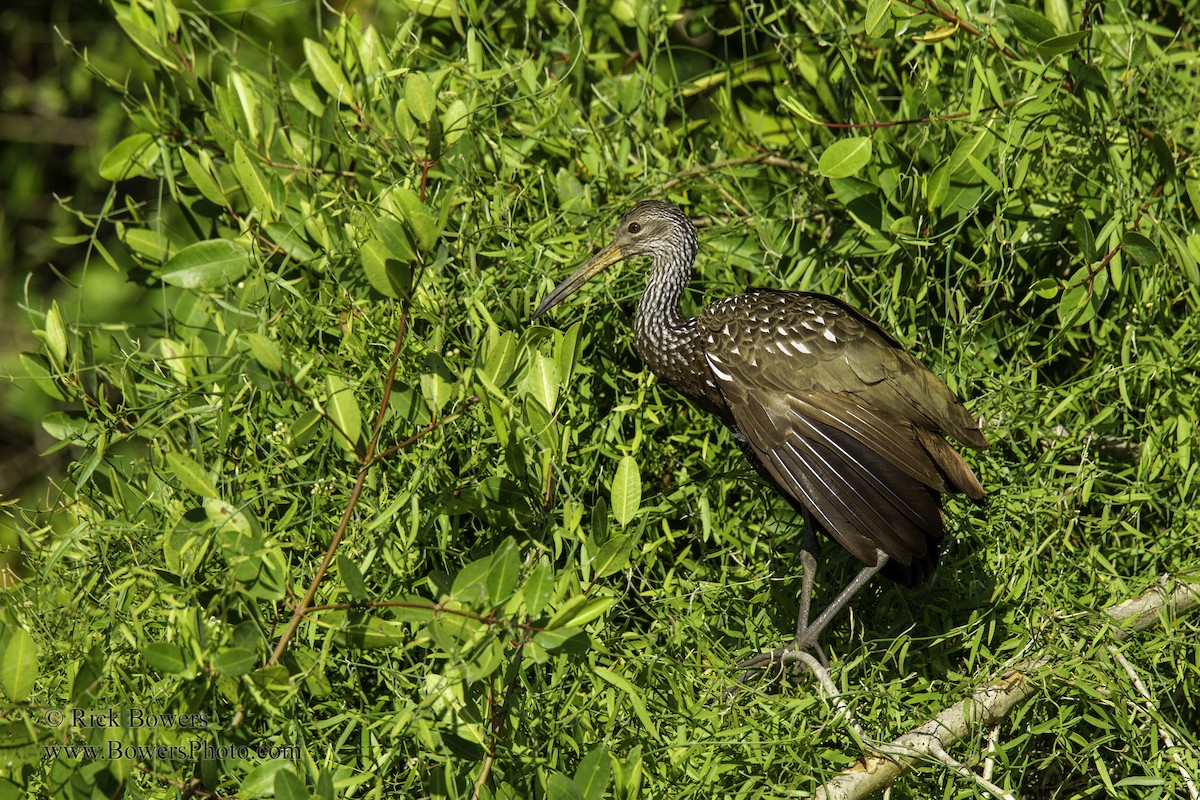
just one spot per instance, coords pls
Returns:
(793, 653)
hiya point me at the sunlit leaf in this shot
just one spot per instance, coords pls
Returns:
(134, 156)
(19, 665)
(845, 157)
(343, 411)
(626, 490)
(207, 265)
(191, 475)
(328, 73)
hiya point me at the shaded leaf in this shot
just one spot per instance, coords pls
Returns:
(235, 661)
(164, 657)
(613, 556)
(264, 350)
(352, 577)
(1031, 26)
(1084, 236)
(388, 275)
(1141, 249)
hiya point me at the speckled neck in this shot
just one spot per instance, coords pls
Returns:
(665, 339)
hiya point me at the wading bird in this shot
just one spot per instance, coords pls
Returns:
(827, 406)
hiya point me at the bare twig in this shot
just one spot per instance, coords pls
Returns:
(500, 713)
(987, 706)
(1166, 732)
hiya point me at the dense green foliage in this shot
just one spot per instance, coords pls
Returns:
(540, 568)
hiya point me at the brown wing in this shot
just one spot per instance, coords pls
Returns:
(842, 420)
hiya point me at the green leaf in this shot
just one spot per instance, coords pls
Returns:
(421, 221)
(978, 145)
(986, 174)
(572, 639)
(264, 575)
(503, 572)
(580, 610)
(19, 665)
(290, 239)
(1084, 237)
(260, 782)
(626, 490)
(352, 577)
(1082, 297)
(1031, 26)
(500, 363)
(538, 589)
(470, 584)
(845, 157)
(55, 335)
(290, 786)
(208, 265)
(1141, 249)
(879, 14)
(252, 184)
(85, 687)
(437, 9)
(938, 186)
(560, 787)
(420, 96)
(149, 244)
(203, 176)
(388, 275)
(541, 382)
(456, 120)
(191, 475)
(264, 350)
(613, 556)
(631, 692)
(376, 633)
(235, 661)
(1192, 187)
(328, 73)
(37, 368)
(593, 773)
(395, 238)
(164, 657)
(249, 102)
(342, 408)
(1057, 45)
(1047, 288)
(132, 157)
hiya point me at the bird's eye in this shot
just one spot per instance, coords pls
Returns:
(634, 227)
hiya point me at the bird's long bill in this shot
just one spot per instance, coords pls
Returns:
(610, 255)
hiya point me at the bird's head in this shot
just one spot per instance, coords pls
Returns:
(651, 228)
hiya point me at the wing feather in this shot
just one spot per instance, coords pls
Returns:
(844, 422)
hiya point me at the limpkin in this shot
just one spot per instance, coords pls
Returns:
(827, 406)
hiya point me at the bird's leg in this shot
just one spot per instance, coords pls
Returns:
(808, 634)
(808, 561)
(813, 631)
